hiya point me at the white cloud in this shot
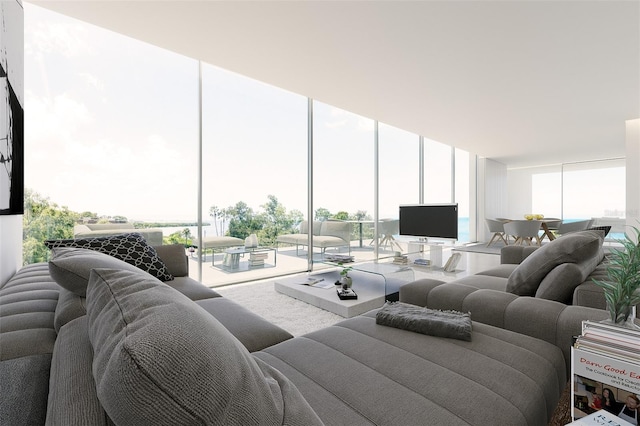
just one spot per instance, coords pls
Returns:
(44, 37)
(92, 81)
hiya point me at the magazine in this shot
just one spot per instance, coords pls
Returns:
(602, 382)
(601, 417)
(317, 282)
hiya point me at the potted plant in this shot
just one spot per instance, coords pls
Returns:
(345, 279)
(621, 287)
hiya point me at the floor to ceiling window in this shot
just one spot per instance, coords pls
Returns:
(437, 172)
(595, 190)
(254, 156)
(343, 167)
(592, 190)
(109, 130)
(399, 169)
(463, 195)
(113, 134)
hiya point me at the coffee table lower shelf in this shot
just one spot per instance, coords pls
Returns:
(370, 290)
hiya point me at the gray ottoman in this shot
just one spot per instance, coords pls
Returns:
(361, 373)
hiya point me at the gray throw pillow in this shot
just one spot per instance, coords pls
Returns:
(560, 283)
(130, 247)
(70, 267)
(575, 247)
(434, 322)
(161, 359)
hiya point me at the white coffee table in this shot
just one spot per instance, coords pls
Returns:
(373, 283)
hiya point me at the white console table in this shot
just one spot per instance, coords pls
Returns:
(435, 251)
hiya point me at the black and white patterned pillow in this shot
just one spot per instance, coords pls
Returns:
(131, 248)
(605, 228)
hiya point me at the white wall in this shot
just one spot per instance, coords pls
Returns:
(10, 246)
(492, 193)
(633, 171)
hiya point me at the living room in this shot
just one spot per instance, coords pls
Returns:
(512, 120)
(505, 188)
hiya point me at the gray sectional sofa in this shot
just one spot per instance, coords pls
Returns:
(562, 270)
(88, 339)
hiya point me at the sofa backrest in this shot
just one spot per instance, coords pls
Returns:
(153, 236)
(336, 229)
(104, 226)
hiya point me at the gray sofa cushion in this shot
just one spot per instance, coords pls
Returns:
(24, 383)
(132, 248)
(73, 400)
(253, 331)
(70, 306)
(383, 375)
(571, 248)
(161, 359)
(71, 266)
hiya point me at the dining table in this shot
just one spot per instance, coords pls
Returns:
(547, 230)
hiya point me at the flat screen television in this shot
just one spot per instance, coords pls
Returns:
(429, 220)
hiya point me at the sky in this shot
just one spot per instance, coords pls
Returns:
(113, 129)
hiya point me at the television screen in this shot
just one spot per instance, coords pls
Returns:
(429, 220)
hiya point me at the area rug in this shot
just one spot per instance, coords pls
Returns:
(562, 414)
(293, 315)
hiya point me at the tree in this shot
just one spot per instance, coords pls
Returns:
(341, 215)
(322, 214)
(277, 221)
(43, 221)
(179, 237)
(214, 212)
(243, 221)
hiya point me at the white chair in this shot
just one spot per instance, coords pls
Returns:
(387, 228)
(567, 227)
(523, 230)
(497, 227)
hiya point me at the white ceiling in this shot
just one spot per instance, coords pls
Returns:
(522, 82)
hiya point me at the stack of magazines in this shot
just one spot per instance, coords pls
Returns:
(610, 340)
(338, 258)
(401, 260)
(605, 369)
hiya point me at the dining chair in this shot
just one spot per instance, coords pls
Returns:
(567, 227)
(387, 228)
(523, 231)
(497, 227)
(549, 227)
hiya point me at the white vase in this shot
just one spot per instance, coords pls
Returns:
(346, 282)
(625, 318)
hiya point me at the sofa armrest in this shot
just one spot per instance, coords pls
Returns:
(174, 256)
(417, 292)
(337, 229)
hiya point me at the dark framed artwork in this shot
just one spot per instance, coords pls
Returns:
(11, 107)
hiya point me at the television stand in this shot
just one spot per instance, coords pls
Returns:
(435, 250)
